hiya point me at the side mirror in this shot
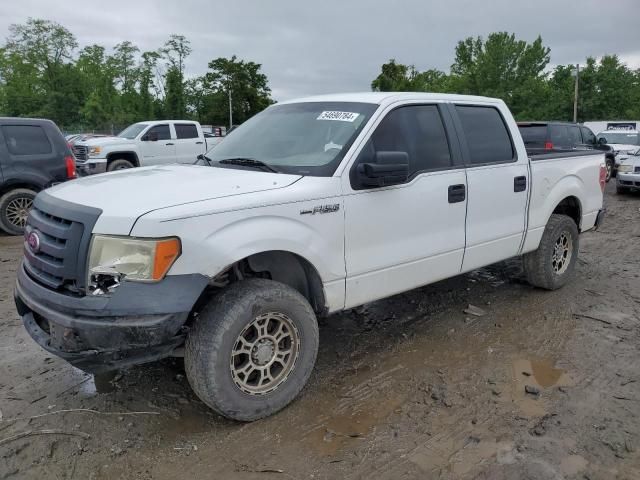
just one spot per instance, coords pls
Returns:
(602, 141)
(390, 168)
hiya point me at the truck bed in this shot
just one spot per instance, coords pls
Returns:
(556, 176)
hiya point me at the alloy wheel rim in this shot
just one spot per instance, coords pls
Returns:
(562, 251)
(18, 210)
(265, 353)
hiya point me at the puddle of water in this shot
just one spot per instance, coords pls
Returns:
(539, 373)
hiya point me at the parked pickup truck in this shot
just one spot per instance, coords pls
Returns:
(141, 144)
(311, 207)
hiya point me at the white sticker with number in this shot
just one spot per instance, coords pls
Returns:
(340, 116)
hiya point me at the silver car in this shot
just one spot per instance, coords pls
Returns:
(628, 177)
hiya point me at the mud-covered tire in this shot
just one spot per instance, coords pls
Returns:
(119, 164)
(215, 336)
(12, 219)
(541, 267)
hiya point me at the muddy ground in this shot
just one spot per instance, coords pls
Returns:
(409, 387)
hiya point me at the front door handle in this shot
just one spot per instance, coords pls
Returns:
(520, 184)
(457, 193)
(199, 143)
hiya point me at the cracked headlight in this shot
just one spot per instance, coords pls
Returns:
(113, 259)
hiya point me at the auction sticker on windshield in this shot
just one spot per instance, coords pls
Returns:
(340, 116)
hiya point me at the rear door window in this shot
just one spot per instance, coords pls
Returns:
(488, 139)
(574, 136)
(186, 130)
(26, 140)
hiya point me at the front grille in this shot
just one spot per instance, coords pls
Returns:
(81, 152)
(637, 170)
(63, 230)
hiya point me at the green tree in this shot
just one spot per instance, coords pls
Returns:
(174, 102)
(244, 81)
(503, 67)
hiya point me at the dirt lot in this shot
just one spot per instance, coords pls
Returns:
(409, 387)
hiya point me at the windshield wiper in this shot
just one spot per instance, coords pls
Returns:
(205, 158)
(248, 162)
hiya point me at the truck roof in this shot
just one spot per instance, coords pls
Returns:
(389, 97)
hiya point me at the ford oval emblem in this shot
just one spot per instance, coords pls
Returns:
(34, 242)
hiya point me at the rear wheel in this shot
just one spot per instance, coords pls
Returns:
(553, 263)
(119, 164)
(14, 210)
(609, 167)
(252, 349)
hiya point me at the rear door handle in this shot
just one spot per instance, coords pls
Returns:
(520, 184)
(168, 143)
(457, 193)
(199, 143)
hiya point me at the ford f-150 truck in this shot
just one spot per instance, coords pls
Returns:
(311, 207)
(141, 144)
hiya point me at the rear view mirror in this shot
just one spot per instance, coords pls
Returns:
(602, 141)
(390, 168)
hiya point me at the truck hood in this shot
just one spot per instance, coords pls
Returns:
(622, 147)
(104, 141)
(125, 195)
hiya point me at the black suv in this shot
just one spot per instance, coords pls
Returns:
(33, 156)
(553, 137)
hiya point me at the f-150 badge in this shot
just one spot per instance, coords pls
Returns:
(321, 209)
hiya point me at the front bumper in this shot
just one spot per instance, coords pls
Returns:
(91, 167)
(138, 323)
(629, 180)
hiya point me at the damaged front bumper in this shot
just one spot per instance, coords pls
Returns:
(137, 323)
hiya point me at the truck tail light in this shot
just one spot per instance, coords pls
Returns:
(603, 177)
(70, 163)
(548, 145)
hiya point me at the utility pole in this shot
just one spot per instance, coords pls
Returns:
(575, 95)
(230, 109)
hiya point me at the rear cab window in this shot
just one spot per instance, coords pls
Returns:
(26, 140)
(487, 137)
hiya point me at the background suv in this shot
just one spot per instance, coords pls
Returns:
(33, 156)
(553, 137)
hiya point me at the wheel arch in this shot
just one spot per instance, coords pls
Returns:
(571, 207)
(282, 266)
(124, 155)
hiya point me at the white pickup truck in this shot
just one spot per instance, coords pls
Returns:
(141, 144)
(311, 207)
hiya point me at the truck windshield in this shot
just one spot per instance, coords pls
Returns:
(625, 138)
(300, 138)
(132, 131)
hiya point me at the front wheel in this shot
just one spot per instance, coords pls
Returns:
(621, 190)
(252, 349)
(119, 164)
(553, 263)
(14, 210)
